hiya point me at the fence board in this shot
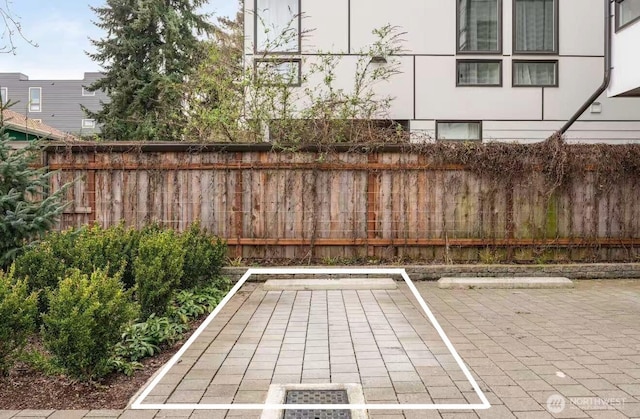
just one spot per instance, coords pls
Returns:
(313, 205)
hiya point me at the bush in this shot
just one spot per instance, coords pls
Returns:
(147, 338)
(42, 270)
(18, 310)
(189, 304)
(85, 319)
(158, 269)
(144, 339)
(63, 245)
(204, 256)
(113, 249)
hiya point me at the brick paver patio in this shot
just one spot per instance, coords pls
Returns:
(579, 346)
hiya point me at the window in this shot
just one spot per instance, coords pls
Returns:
(4, 95)
(627, 11)
(85, 92)
(35, 99)
(88, 123)
(37, 120)
(479, 25)
(277, 28)
(278, 72)
(535, 26)
(459, 130)
(535, 73)
(479, 73)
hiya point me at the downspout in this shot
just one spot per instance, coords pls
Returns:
(607, 70)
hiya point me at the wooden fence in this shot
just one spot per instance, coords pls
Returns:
(342, 205)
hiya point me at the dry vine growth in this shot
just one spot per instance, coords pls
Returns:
(315, 202)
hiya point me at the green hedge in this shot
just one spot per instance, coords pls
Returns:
(91, 284)
(158, 271)
(17, 317)
(86, 317)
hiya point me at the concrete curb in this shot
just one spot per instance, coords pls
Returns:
(505, 282)
(435, 272)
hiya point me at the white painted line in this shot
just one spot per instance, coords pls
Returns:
(330, 284)
(137, 404)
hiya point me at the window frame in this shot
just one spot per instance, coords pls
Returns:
(86, 93)
(471, 60)
(556, 32)
(500, 28)
(84, 126)
(4, 93)
(629, 23)
(39, 102)
(513, 73)
(298, 61)
(458, 121)
(257, 51)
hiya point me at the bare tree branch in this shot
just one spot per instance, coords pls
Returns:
(12, 28)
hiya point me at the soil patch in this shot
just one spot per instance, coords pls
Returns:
(26, 388)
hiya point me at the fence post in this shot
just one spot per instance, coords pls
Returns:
(372, 203)
(91, 187)
(509, 219)
(238, 205)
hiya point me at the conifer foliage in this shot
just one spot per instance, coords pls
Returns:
(150, 49)
(27, 210)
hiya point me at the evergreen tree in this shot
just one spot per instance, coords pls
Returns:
(26, 209)
(150, 50)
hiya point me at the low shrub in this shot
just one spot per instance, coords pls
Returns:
(141, 340)
(190, 304)
(147, 338)
(113, 249)
(18, 310)
(84, 322)
(204, 256)
(42, 270)
(158, 269)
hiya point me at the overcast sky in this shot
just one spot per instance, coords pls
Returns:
(62, 29)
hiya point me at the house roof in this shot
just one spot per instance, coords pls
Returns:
(21, 123)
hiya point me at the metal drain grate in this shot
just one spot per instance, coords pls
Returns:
(317, 397)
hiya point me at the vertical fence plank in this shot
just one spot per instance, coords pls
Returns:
(315, 205)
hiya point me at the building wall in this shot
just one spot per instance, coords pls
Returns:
(60, 101)
(426, 90)
(625, 77)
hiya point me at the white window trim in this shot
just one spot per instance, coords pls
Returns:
(88, 123)
(85, 92)
(4, 92)
(39, 104)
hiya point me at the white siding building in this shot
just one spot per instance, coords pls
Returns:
(471, 69)
(625, 79)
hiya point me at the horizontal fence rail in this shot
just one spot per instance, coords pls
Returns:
(346, 204)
